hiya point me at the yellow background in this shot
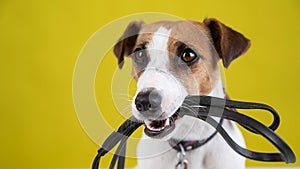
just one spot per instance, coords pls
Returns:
(40, 42)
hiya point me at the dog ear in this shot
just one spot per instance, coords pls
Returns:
(228, 43)
(127, 41)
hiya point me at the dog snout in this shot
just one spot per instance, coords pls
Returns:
(148, 99)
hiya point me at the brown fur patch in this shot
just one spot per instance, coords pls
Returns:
(201, 38)
(204, 72)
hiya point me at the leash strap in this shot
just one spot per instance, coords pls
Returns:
(121, 135)
(204, 108)
(215, 102)
(286, 154)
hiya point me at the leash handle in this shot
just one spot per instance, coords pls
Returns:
(210, 101)
(220, 107)
(286, 154)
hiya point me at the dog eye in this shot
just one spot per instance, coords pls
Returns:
(188, 55)
(139, 55)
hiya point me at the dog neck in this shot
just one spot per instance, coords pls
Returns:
(190, 144)
(195, 129)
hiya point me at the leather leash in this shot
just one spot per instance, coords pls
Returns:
(204, 108)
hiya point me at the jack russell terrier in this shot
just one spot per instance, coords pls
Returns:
(170, 60)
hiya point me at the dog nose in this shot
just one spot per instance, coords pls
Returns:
(148, 100)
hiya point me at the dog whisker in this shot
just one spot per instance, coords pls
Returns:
(191, 101)
(190, 109)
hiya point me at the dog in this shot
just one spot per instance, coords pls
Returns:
(170, 60)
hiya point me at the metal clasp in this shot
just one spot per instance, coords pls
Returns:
(182, 161)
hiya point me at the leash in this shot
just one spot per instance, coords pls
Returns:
(204, 108)
(191, 145)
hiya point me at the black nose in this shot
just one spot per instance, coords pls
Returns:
(148, 99)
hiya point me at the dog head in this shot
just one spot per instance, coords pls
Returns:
(173, 59)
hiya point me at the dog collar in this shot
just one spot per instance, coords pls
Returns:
(192, 144)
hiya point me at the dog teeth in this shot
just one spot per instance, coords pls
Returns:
(147, 122)
(167, 122)
(150, 126)
(160, 125)
(155, 129)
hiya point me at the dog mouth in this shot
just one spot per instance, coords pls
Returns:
(160, 128)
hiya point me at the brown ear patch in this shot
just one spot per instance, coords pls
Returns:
(228, 43)
(127, 41)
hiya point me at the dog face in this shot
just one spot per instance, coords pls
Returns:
(172, 60)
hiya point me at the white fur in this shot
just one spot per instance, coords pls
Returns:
(157, 153)
(195, 129)
(158, 49)
(156, 75)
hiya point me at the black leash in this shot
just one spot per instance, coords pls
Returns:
(286, 154)
(121, 135)
(204, 108)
